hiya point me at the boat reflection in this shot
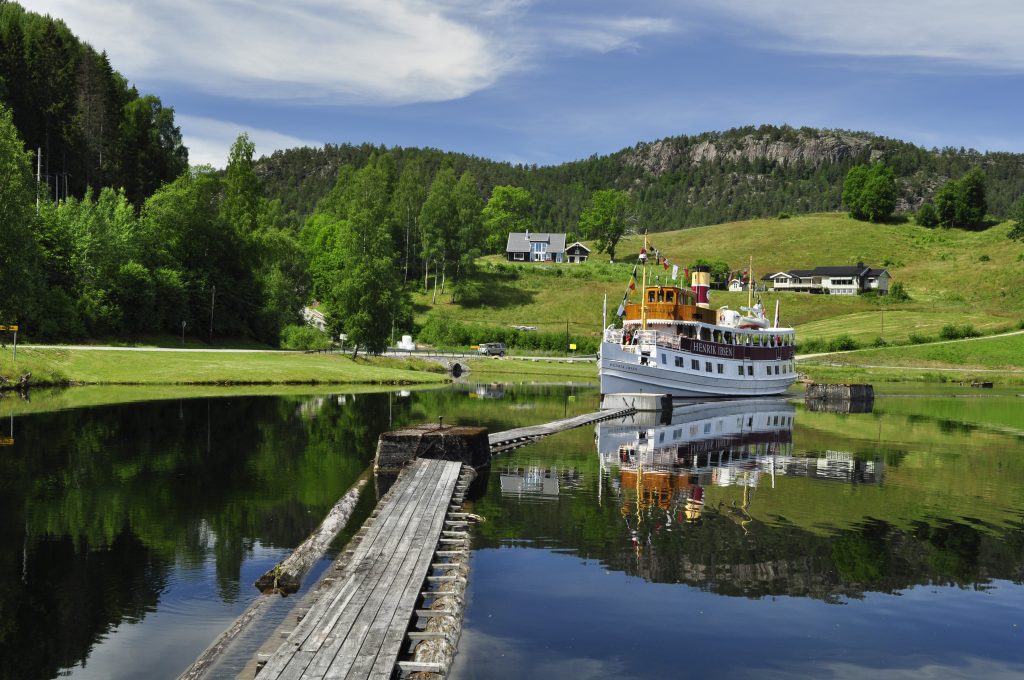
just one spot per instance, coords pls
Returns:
(667, 467)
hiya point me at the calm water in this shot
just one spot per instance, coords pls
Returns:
(751, 539)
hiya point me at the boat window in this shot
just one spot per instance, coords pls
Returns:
(661, 295)
(750, 370)
(740, 369)
(705, 334)
(707, 366)
(669, 296)
(694, 364)
(721, 368)
(650, 296)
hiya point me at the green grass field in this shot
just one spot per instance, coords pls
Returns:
(80, 366)
(952, 276)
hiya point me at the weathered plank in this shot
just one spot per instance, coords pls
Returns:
(358, 628)
(500, 441)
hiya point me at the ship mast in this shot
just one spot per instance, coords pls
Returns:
(750, 283)
(643, 289)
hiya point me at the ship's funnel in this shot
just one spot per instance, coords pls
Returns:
(701, 283)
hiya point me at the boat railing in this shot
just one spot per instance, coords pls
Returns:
(612, 334)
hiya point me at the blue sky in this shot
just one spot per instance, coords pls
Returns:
(545, 82)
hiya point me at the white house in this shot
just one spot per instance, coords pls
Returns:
(846, 280)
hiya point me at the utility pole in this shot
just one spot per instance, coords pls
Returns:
(213, 302)
(39, 173)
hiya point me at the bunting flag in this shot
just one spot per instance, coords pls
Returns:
(665, 264)
(675, 272)
(632, 283)
(622, 311)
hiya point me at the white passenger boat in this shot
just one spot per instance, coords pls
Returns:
(672, 342)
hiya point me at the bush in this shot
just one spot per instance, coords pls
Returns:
(956, 332)
(442, 331)
(784, 215)
(810, 346)
(927, 216)
(897, 293)
(918, 339)
(984, 258)
(842, 344)
(304, 337)
(879, 342)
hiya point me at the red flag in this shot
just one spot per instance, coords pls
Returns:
(686, 273)
(632, 283)
(665, 263)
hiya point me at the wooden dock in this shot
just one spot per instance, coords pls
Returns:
(511, 439)
(357, 628)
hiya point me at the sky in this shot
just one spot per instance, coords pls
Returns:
(544, 82)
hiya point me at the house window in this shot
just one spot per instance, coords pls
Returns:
(539, 250)
(519, 256)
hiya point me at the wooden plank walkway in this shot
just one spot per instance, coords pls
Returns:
(357, 628)
(510, 439)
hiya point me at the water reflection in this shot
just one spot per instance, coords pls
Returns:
(739, 527)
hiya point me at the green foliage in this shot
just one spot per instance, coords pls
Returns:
(984, 258)
(1017, 215)
(898, 292)
(962, 203)
(441, 330)
(509, 209)
(919, 339)
(93, 128)
(927, 216)
(869, 192)
(958, 331)
(303, 337)
(352, 258)
(17, 246)
(605, 221)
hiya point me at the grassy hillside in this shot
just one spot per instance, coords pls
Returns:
(952, 276)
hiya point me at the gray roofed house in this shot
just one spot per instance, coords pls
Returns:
(535, 247)
(832, 280)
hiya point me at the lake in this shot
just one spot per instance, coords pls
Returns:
(735, 539)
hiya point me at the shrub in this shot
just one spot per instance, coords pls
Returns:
(811, 346)
(897, 293)
(784, 215)
(927, 216)
(303, 337)
(879, 342)
(956, 332)
(984, 258)
(918, 339)
(842, 344)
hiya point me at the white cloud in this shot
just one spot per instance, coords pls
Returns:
(331, 51)
(209, 140)
(983, 33)
(603, 34)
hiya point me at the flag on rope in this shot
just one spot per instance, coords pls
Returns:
(675, 271)
(632, 283)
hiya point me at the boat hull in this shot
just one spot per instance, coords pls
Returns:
(659, 372)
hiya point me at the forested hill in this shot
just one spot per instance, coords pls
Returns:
(93, 128)
(682, 181)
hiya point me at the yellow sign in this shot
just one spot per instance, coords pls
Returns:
(8, 328)
(573, 347)
(6, 441)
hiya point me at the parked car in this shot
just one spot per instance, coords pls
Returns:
(492, 349)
